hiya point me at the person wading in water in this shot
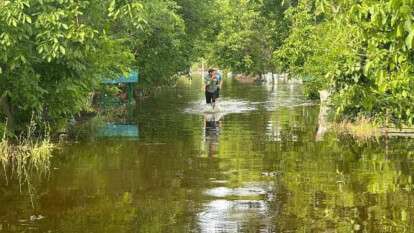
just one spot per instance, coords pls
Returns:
(212, 86)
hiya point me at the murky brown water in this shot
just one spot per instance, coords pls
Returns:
(259, 165)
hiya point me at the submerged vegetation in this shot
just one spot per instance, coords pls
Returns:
(25, 156)
(362, 129)
(28, 151)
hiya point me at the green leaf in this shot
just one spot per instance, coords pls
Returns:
(400, 30)
(62, 50)
(410, 40)
(407, 25)
(367, 68)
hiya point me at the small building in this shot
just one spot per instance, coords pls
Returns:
(128, 81)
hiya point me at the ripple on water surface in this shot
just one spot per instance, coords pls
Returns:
(234, 209)
(223, 107)
(234, 216)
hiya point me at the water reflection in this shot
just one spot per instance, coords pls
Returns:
(118, 130)
(212, 125)
(249, 190)
(253, 171)
(322, 122)
(235, 216)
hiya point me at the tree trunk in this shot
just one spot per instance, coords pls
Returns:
(6, 109)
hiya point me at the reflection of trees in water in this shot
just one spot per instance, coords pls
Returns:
(123, 187)
(336, 185)
(290, 116)
(330, 188)
(292, 125)
(239, 207)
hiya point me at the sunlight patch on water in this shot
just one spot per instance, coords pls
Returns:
(221, 192)
(250, 209)
(234, 216)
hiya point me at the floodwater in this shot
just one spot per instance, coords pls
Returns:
(260, 163)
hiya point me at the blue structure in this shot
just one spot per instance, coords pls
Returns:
(129, 80)
(133, 77)
(120, 130)
(117, 130)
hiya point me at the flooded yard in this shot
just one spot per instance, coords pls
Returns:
(259, 164)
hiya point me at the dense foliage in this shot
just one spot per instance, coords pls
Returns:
(248, 33)
(53, 53)
(48, 58)
(361, 51)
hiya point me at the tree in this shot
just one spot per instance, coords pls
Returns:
(361, 51)
(53, 54)
(243, 42)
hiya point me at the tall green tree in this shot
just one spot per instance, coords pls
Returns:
(52, 55)
(361, 51)
(249, 32)
(242, 42)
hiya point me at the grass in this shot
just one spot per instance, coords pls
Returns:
(362, 128)
(5, 155)
(27, 150)
(5, 149)
(25, 155)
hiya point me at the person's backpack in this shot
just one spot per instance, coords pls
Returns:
(218, 78)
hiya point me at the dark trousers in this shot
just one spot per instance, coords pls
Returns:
(211, 97)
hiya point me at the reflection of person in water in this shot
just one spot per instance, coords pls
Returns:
(212, 132)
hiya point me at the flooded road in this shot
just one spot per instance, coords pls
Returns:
(259, 164)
